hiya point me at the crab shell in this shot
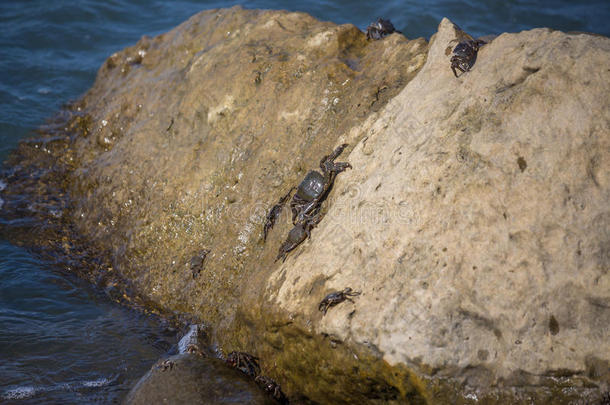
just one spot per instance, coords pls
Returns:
(460, 61)
(464, 52)
(385, 25)
(380, 29)
(311, 187)
(466, 49)
(297, 234)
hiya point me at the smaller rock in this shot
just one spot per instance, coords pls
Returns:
(195, 380)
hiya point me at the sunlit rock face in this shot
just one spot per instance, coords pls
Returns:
(474, 222)
(194, 134)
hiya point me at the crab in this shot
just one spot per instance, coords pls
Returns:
(315, 187)
(464, 55)
(380, 29)
(194, 349)
(198, 261)
(274, 213)
(296, 236)
(244, 362)
(337, 297)
(272, 388)
(307, 201)
(166, 365)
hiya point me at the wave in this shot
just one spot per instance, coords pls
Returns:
(189, 338)
(28, 391)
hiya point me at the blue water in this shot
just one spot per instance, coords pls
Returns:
(61, 341)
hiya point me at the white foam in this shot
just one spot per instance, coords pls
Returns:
(1, 203)
(2, 185)
(189, 338)
(28, 391)
(19, 393)
(55, 213)
(100, 382)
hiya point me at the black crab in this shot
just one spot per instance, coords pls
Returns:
(465, 54)
(274, 213)
(380, 29)
(335, 298)
(244, 362)
(166, 365)
(272, 388)
(306, 203)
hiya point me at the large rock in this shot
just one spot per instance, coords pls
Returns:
(193, 135)
(475, 220)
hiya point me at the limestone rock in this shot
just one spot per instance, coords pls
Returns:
(476, 220)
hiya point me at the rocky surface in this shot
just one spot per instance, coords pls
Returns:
(191, 379)
(192, 135)
(474, 221)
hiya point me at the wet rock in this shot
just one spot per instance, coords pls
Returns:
(190, 379)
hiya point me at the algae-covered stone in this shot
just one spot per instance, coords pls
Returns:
(191, 379)
(205, 133)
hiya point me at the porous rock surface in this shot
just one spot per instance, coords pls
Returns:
(475, 220)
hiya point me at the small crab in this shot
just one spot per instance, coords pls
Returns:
(274, 213)
(272, 388)
(315, 187)
(166, 365)
(194, 349)
(244, 362)
(464, 55)
(296, 236)
(197, 262)
(380, 29)
(337, 297)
